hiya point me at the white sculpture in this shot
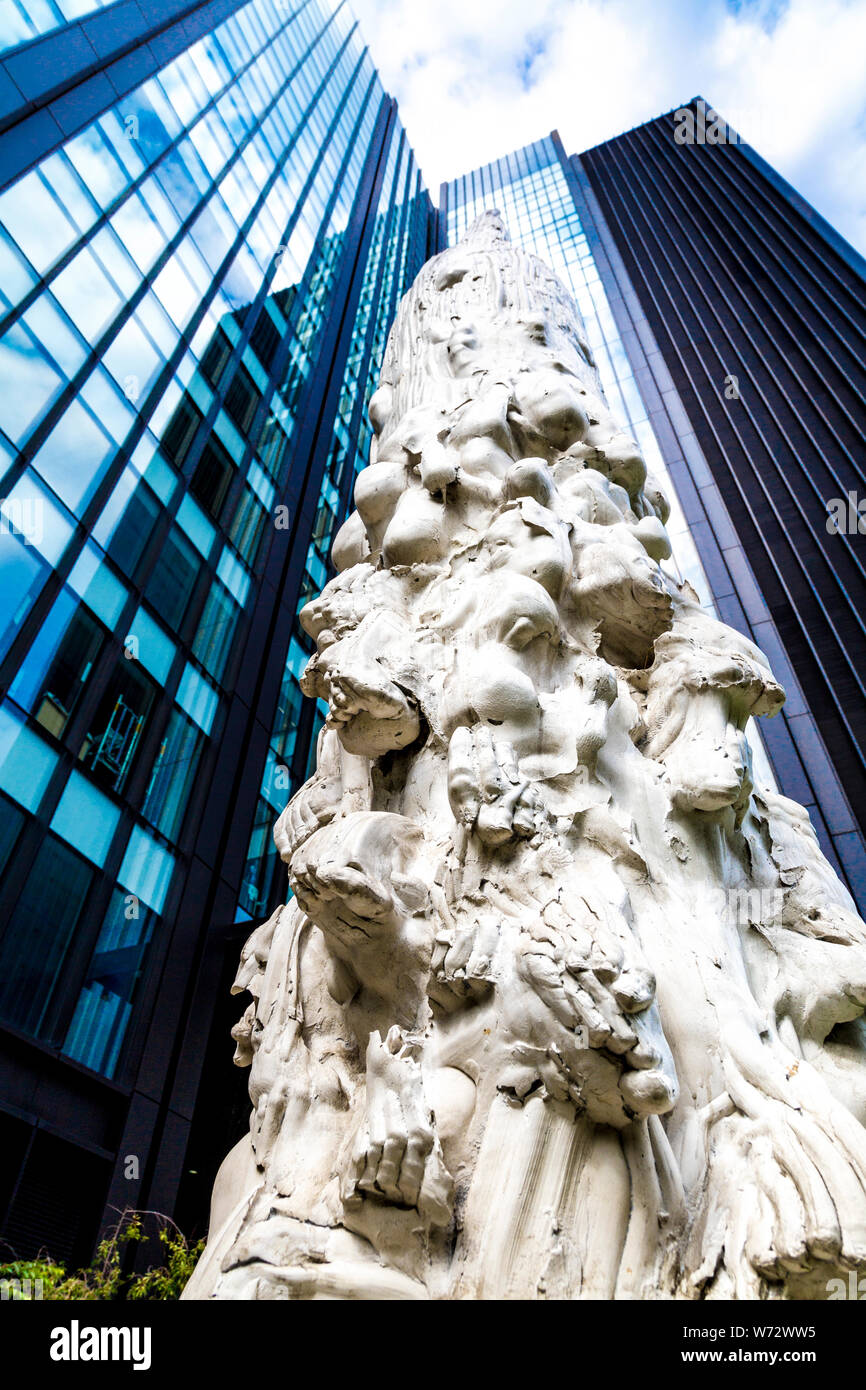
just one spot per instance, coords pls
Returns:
(562, 1006)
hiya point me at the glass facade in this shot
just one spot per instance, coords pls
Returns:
(168, 277)
(21, 20)
(397, 252)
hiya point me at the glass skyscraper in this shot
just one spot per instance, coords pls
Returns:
(196, 286)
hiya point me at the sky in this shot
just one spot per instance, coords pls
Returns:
(475, 79)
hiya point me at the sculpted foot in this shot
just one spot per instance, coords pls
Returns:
(485, 789)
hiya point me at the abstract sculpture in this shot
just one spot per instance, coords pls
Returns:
(563, 1006)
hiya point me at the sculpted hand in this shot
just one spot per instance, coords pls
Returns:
(315, 804)
(397, 1157)
(579, 973)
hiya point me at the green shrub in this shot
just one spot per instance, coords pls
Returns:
(104, 1277)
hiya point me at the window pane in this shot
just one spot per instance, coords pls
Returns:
(74, 457)
(173, 775)
(248, 526)
(172, 580)
(31, 511)
(57, 666)
(26, 761)
(127, 521)
(216, 629)
(11, 822)
(110, 748)
(16, 277)
(147, 643)
(102, 1013)
(146, 869)
(36, 382)
(87, 295)
(39, 932)
(212, 476)
(198, 698)
(93, 581)
(22, 575)
(86, 819)
(95, 162)
(52, 331)
(133, 361)
(192, 520)
(35, 221)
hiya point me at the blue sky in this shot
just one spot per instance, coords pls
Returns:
(476, 78)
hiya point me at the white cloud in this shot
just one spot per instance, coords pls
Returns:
(477, 78)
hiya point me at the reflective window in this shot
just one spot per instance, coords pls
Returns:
(85, 819)
(87, 295)
(92, 580)
(173, 577)
(37, 383)
(94, 160)
(104, 1006)
(74, 457)
(53, 332)
(212, 476)
(146, 642)
(35, 220)
(111, 747)
(126, 522)
(46, 914)
(34, 532)
(26, 761)
(16, 276)
(261, 860)
(11, 824)
(139, 231)
(248, 525)
(193, 521)
(216, 629)
(133, 361)
(173, 775)
(146, 869)
(112, 408)
(50, 682)
(198, 697)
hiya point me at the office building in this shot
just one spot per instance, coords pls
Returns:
(208, 214)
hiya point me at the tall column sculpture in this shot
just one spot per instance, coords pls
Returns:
(562, 1006)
